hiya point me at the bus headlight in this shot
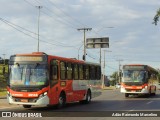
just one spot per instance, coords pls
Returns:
(146, 87)
(43, 94)
(8, 93)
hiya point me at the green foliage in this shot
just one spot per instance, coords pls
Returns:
(112, 82)
(158, 77)
(156, 17)
(3, 72)
(3, 80)
(114, 78)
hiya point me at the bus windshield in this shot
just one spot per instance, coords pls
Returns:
(133, 76)
(28, 74)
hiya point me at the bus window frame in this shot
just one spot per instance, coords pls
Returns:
(86, 70)
(81, 72)
(52, 80)
(75, 64)
(65, 71)
(98, 72)
(92, 72)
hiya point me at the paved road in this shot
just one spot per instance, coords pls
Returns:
(110, 100)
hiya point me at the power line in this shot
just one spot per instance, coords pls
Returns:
(17, 26)
(66, 22)
(66, 13)
(24, 29)
(34, 37)
(84, 31)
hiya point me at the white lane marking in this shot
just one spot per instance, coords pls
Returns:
(149, 102)
(131, 110)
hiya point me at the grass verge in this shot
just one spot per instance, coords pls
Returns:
(109, 88)
(3, 85)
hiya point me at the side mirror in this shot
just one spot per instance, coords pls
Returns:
(146, 74)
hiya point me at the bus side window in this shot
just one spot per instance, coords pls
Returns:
(69, 71)
(54, 72)
(98, 73)
(92, 72)
(81, 72)
(87, 73)
(63, 70)
(75, 69)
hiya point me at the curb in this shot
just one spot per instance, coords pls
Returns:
(3, 97)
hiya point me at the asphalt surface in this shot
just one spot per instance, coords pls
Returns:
(106, 105)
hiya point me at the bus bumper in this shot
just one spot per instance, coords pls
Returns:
(138, 91)
(36, 101)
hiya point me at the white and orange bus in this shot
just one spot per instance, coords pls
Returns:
(41, 79)
(138, 79)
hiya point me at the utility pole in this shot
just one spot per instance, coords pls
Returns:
(119, 78)
(4, 64)
(100, 57)
(39, 7)
(84, 30)
(78, 51)
(104, 65)
(103, 71)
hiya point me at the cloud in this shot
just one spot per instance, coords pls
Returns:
(133, 36)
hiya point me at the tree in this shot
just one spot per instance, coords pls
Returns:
(156, 17)
(114, 78)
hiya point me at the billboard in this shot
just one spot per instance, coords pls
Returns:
(97, 42)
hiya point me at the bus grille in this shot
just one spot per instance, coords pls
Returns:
(31, 100)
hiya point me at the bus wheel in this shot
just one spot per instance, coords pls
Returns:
(126, 95)
(27, 106)
(61, 101)
(88, 97)
(154, 92)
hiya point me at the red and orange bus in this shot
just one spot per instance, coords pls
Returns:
(138, 79)
(41, 79)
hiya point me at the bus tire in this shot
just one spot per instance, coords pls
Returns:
(126, 95)
(61, 100)
(149, 93)
(27, 106)
(88, 97)
(154, 92)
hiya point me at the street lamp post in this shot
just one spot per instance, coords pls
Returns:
(4, 64)
(119, 78)
(39, 7)
(104, 65)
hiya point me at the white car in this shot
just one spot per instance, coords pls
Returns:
(118, 85)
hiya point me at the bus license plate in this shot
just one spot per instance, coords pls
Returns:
(24, 100)
(133, 91)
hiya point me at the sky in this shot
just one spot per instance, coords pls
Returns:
(133, 39)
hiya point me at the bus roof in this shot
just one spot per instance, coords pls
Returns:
(56, 57)
(148, 67)
(135, 65)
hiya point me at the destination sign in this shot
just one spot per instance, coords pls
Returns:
(133, 67)
(27, 58)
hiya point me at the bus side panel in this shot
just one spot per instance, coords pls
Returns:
(53, 95)
(79, 89)
(69, 91)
